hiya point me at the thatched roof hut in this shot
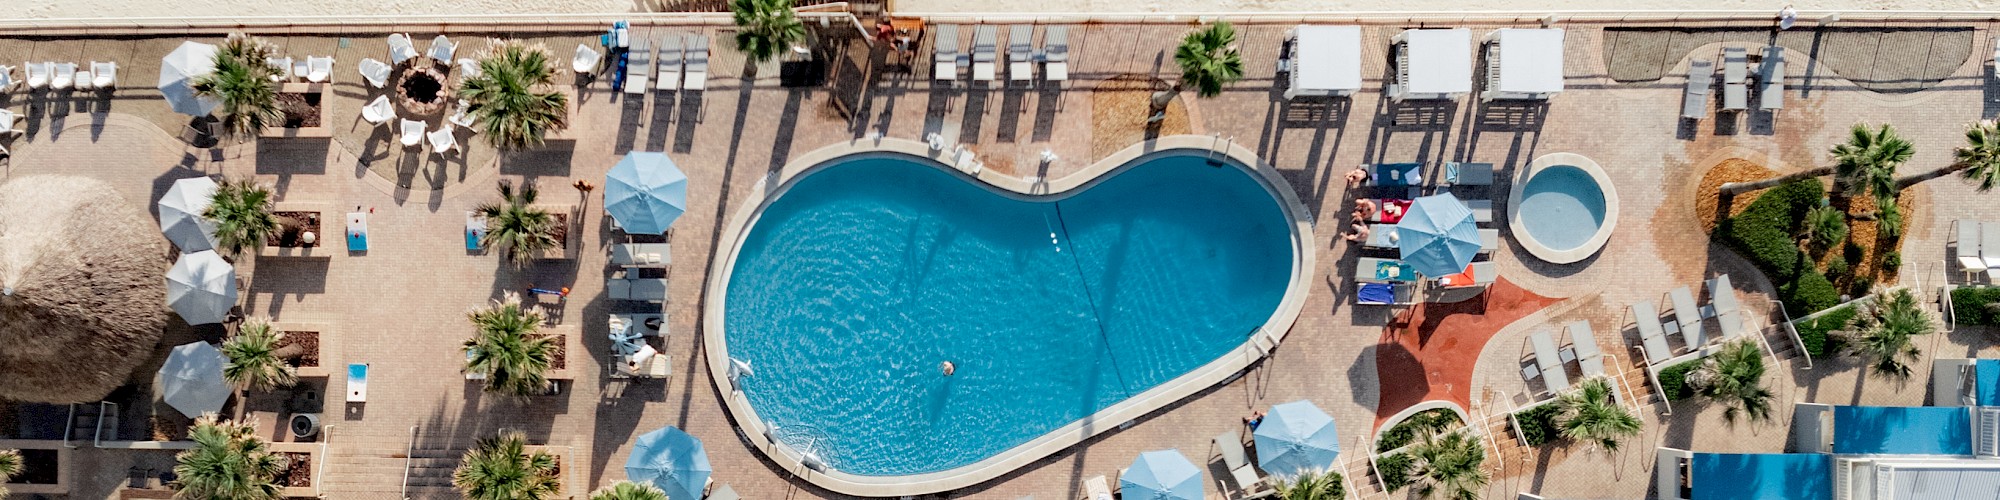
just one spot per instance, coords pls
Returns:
(82, 289)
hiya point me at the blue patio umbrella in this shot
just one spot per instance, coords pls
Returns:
(1438, 236)
(671, 460)
(1296, 437)
(1161, 475)
(645, 192)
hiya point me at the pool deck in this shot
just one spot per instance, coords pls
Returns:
(400, 305)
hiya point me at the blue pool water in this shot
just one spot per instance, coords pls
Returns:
(856, 283)
(1562, 207)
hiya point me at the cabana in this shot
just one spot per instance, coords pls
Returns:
(1523, 64)
(1680, 475)
(1325, 61)
(1432, 64)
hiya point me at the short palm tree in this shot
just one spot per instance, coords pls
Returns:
(514, 97)
(1734, 376)
(10, 466)
(1825, 227)
(254, 361)
(241, 85)
(506, 349)
(242, 210)
(1885, 330)
(1587, 413)
(765, 28)
(1310, 485)
(516, 226)
(500, 468)
(228, 462)
(627, 490)
(1888, 216)
(1208, 59)
(1448, 466)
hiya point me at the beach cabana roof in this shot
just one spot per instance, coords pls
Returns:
(1440, 60)
(1531, 60)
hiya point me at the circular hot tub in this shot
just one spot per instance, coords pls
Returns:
(1562, 208)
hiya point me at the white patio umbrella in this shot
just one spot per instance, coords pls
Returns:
(180, 214)
(191, 380)
(177, 72)
(201, 287)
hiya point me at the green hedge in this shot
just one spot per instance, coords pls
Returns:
(1765, 233)
(1968, 305)
(1538, 424)
(1673, 380)
(1813, 332)
(1406, 431)
(1394, 470)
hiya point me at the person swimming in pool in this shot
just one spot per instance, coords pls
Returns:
(948, 368)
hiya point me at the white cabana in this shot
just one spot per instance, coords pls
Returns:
(1432, 64)
(1326, 61)
(1523, 64)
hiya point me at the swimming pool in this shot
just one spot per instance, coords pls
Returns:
(1563, 208)
(863, 274)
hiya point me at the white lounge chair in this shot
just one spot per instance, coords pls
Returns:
(7, 119)
(281, 68)
(1771, 90)
(104, 74)
(1097, 488)
(1482, 210)
(639, 68)
(642, 255)
(1989, 249)
(401, 49)
(1652, 338)
(1489, 240)
(1230, 446)
(1583, 343)
(6, 77)
(1554, 377)
(671, 58)
(469, 68)
(1687, 317)
(985, 52)
(1485, 272)
(375, 72)
(694, 74)
(65, 75)
(318, 69)
(1055, 54)
(1021, 54)
(443, 142)
(1966, 247)
(413, 133)
(378, 111)
(442, 49)
(586, 60)
(945, 58)
(463, 115)
(38, 74)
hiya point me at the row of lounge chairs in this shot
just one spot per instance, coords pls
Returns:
(1977, 248)
(1551, 364)
(1688, 317)
(62, 76)
(983, 58)
(1736, 82)
(682, 63)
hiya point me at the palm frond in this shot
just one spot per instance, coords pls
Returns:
(516, 226)
(1208, 59)
(254, 363)
(506, 348)
(1308, 485)
(500, 468)
(1734, 377)
(627, 490)
(242, 211)
(513, 99)
(1448, 466)
(765, 28)
(228, 462)
(1589, 414)
(246, 97)
(1980, 156)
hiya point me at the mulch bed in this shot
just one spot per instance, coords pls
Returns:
(1865, 232)
(291, 225)
(1730, 170)
(298, 474)
(309, 341)
(1118, 114)
(301, 109)
(561, 231)
(559, 360)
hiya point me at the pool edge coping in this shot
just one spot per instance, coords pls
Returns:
(1597, 241)
(1225, 367)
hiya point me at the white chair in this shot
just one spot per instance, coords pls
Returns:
(469, 68)
(670, 64)
(694, 72)
(107, 74)
(413, 133)
(38, 74)
(463, 116)
(442, 140)
(376, 72)
(400, 48)
(442, 49)
(6, 77)
(586, 59)
(318, 69)
(378, 111)
(7, 119)
(281, 68)
(65, 75)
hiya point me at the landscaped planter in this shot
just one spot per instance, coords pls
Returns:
(303, 106)
(566, 336)
(301, 475)
(294, 220)
(44, 468)
(562, 467)
(566, 227)
(312, 337)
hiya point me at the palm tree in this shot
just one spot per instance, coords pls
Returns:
(1978, 161)
(1825, 226)
(1208, 60)
(1734, 376)
(500, 468)
(1307, 485)
(513, 98)
(1885, 329)
(1888, 216)
(242, 211)
(506, 349)
(1865, 163)
(10, 466)
(228, 462)
(1448, 466)
(255, 362)
(1587, 413)
(765, 28)
(627, 490)
(241, 85)
(516, 226)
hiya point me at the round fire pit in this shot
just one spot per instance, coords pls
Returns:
(422, 91)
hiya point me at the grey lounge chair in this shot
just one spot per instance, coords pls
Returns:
(1489, 240)
(1701, 78)
(694, 72)
(1055, 54)
(945, 58)
(1482, 210)
(1989, 246)
(1721, 297)
(670, 60)
(1554, 376)
(1652, 337)
(1230, 446)
(1468, 174)
(985, 52)
(1020, 54)
(1771, 75)
(633, 255)
(1380, 236)
(1735, 73)
(1485, 272)
(1687, 317)
(639, 68)
(637, 289)
(1583, 342)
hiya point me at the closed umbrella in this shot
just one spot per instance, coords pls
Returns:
(1161, 475)
(671, 460)
(201, 287)
(191, 380)
(177, 73)
(1296, 437)
(1438, 235)
(645, 193)
(181, 214)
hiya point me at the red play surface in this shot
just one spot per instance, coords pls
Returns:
(1428, 352)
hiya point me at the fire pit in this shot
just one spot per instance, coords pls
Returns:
(421, 90)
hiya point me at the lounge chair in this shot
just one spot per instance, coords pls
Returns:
(357, 382)
(462, 115)
(1583, 346)
(65, 75)
(1380, 270)
(1396, 174)
(1468, 174)
(1687, 317)
(694, 73)
(638, 255)
(379, 111)
(443, 50)
(647, 363)
(475, 230)
(318, 69)
(1097, 488)
(1721, 297)
(639, 68)
(1230, 446)
(375, 72)
(945, 58)
(985, 52)
(443, 141)
(586, 60)
(637, 289)
(1385, 294)
(105, 74)
(7, 118)
(1966, 244)
(38, 74)
(724, 492)
(6, 77)
(1489, 240)
(1652, 337)
(1554, 377)
(1482, 210)
(1055, 54)
(1021, 54)
(1380, 236)
(468, 68)
(413, 133)
(1771, 79)
(1735, 73)
(401, 49)
(1485, 272)
(670, 61)
(1989, 248)
(281, 68)
(1701, 78)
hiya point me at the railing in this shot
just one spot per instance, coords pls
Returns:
(1948, 307)
(319, 476)
(409, 451)
(1797, 341)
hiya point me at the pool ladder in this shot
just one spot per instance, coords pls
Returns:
(1218, 149)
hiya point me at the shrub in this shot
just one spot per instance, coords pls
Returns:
(1405, 432)
(1809, 293)
(1893, 260)
(1394, 470)
(1538, 424)
(1836, 270)
(1813, 332)
(1764, 233)
(1853, 252)
(1975, 306)
(1673, 380)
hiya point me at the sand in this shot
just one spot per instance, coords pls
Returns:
(177, 8)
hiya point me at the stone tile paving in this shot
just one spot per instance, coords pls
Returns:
(400, 305)
(1900, 59)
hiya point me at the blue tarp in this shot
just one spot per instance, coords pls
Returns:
(1988, 378)
(1761, 476)
(1897, 430)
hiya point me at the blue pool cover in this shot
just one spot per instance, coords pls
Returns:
(1896, 430)
(1988, 374)
(1759, 476)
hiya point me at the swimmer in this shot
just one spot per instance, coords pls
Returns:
(948, 368)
